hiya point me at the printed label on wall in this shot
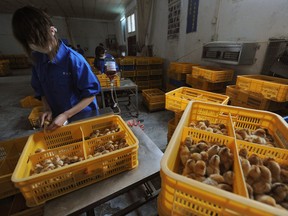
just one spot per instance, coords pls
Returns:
(192, 16)
(174, 8)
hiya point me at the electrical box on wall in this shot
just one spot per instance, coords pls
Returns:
(229, 52)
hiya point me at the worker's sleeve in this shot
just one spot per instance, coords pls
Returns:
(36, 84)
(86, 81)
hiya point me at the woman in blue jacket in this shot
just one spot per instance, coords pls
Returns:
(101, 58)
(61, 77)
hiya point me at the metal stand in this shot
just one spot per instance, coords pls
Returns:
(129, 90)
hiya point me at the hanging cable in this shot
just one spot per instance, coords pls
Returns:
(115, 102)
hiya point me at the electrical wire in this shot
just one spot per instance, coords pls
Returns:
(115, 102)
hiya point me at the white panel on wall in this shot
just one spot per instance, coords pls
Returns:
(8, 44)
(233, 20)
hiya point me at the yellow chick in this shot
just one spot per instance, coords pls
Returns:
(246, 166)
(274, 168)
(189, 167)
(213, 165)
(213, 150)
(184, 154)
(279, 192)
(228, 177)
(266, 199)
(200, 168)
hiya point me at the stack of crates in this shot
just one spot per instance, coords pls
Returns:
(177, 74)
(259, 92)
(209, 78)
(154, 99)
(156, 72)
(105, 81)
(16, 61)
(181, 195)
(146, 72)
(127, 67)
(178, 99)
(142, 72)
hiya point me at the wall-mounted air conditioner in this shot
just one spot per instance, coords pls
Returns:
(229, 52)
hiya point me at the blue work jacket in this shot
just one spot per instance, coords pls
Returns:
(65, 80)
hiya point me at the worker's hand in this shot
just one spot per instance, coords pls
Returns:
(46, 116)
(59, 121)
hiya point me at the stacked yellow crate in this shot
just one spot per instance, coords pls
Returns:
(209, 78)
(183, 194)
(16, 61)
(155, 72)
(146, 72)
(177, 74)
(127, 67)
(178, 99)
(154, 99)
(259, 92)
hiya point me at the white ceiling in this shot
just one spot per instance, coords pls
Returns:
(89, 9)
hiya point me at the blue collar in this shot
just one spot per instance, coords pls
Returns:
(60, 55)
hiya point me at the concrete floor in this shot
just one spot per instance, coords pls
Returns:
(14, 123)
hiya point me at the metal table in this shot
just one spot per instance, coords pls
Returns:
(86, 199)
(131, 89)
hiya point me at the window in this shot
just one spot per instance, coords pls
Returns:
(131, 23)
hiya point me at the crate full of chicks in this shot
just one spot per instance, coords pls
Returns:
(224, 160)
(74, 156)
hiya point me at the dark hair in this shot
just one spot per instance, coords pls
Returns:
(32, 26)
(99, 51)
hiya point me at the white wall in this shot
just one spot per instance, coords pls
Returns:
(247, 20)
(8, 44)
(86, 32)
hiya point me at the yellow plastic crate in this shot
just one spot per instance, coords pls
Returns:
(10, 152)
(73, 140)
(183, 67)
(200, 83)
(155, 60)
(178, 99)
(212, 74)
(269, 87)
(105, 81)
(142, 61)
(183, 196)
(128, 74)
(155, 72)
(239, 97)
(154, 95)
(155, 83)
(156, 106)
(90, 61)
(127, 61)
(142, 73)
(29, 102)
(34, 116)
(243, 118)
